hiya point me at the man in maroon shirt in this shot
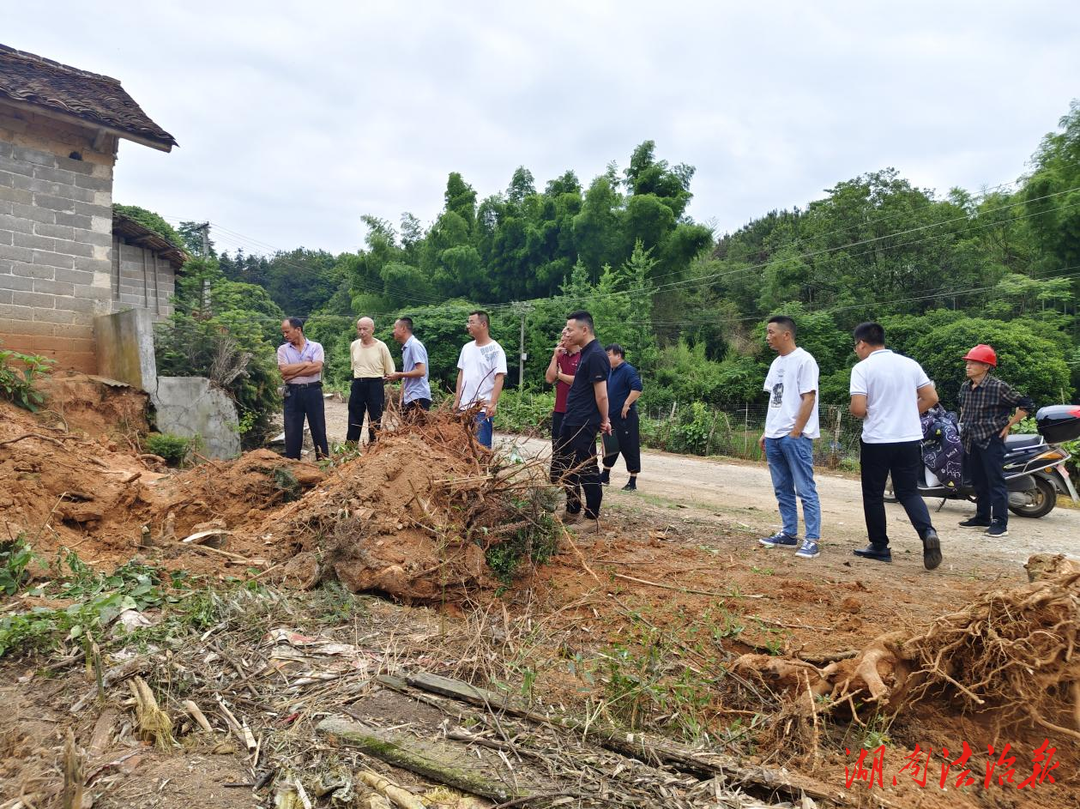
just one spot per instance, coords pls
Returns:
(560, 371)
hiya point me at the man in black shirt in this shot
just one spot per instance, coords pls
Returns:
(586, 415)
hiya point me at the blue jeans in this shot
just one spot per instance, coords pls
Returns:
(484, 429)
(791, 464)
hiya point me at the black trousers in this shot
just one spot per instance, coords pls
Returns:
(367, 395)
(902, 460)
(416, 405)
(988, 477)
(304, 402)
(559, 461)
(577, 445)
(626, 430)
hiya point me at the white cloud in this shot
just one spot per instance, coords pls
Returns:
(296, 119)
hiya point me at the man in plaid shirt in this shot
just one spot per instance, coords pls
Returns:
(986, 405)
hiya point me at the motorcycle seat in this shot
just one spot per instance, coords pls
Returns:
(1013, 442)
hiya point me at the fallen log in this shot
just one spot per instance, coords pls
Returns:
(432, 760)
(639, 746)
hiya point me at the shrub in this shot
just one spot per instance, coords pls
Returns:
(173, 448)
(525, 411)
(1028, 359)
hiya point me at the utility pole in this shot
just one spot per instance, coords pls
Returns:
(205, 228)
(521, 309)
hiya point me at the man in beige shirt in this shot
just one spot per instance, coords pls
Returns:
(371, 364)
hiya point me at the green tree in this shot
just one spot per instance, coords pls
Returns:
(212, 333)
(1027, 360)
(1052, 194)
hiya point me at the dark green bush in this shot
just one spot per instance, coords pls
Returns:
(173, 448)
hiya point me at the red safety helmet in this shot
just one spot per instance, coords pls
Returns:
(982, 353)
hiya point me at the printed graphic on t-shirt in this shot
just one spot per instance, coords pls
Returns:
(777, 395)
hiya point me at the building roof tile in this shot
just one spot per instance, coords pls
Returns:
(59, 88)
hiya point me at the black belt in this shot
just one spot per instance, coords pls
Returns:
(305, 384)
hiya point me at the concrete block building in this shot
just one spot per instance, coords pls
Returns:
(64, 257)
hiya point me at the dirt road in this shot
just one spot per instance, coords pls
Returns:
(740, 493)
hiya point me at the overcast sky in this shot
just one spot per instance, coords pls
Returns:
(294, 119)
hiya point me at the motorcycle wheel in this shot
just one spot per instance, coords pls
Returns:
(1043, 499)
(890, 495)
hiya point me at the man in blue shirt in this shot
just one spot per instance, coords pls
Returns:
(415, 390)
(586, 415)
(624, 388)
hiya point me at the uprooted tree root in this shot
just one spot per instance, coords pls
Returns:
(424, 514)
(1011, 652)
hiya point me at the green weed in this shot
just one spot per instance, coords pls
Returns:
(15, 556)
(98, 600)
(18, 373)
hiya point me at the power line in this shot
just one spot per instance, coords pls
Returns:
(944, 293)
(714, 277)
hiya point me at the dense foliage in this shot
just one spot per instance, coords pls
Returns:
(941, 271)
(227, 331)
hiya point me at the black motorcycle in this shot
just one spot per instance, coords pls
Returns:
(1034, 467)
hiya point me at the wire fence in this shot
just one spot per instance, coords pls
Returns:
(696, 428)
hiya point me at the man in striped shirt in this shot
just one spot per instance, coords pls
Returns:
(300, 362)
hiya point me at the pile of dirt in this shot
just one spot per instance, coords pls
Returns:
(416, 515)
(238, 493)
(101, 408)
(65, 488)
(413, 517)
(59, 486)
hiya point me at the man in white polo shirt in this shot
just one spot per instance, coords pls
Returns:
(889, 392)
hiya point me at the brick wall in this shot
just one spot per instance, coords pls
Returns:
(140, 279)
(55, 237)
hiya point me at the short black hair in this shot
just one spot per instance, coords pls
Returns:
(482, 316)
(615, 348)
(296, 323)
(581, 316)
(407, 321)
(784, 322)
(873, 334)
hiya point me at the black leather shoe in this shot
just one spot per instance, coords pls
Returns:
(874, 552)
(931, 550)
(605, 477)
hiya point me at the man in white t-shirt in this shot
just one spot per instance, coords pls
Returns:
(889, 392)
(791, 425)
(481, 371)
